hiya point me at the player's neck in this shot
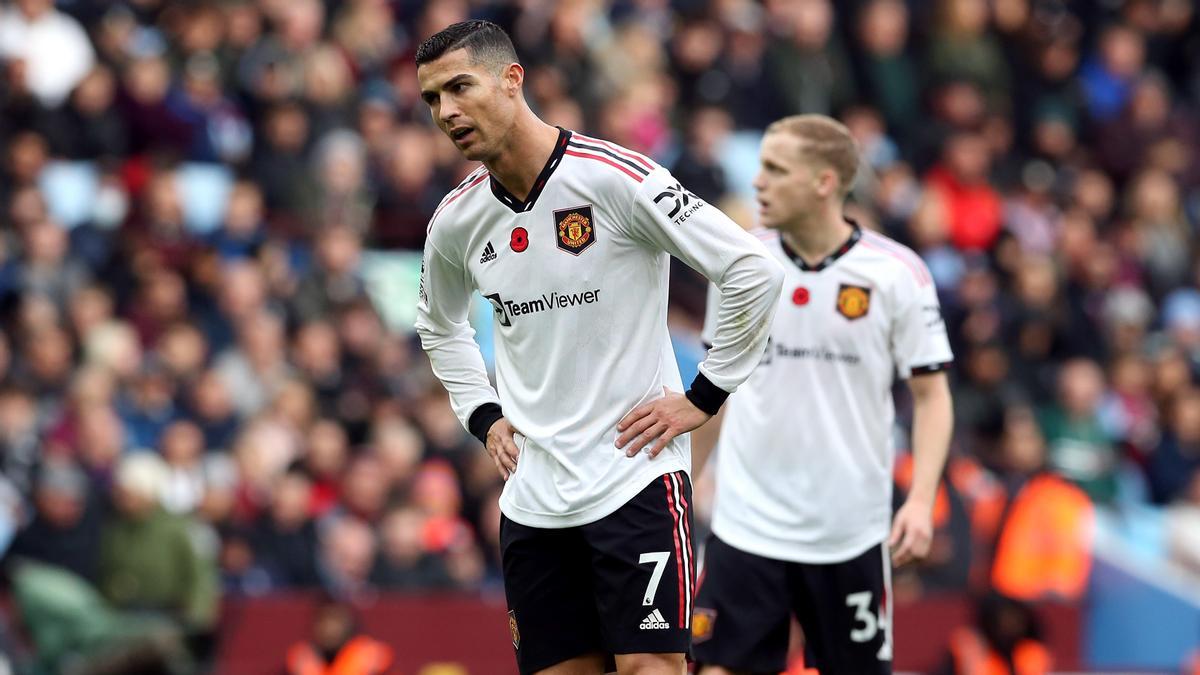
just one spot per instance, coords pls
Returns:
(527, 149)
(816, 238)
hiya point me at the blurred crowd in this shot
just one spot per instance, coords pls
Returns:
(195, 374)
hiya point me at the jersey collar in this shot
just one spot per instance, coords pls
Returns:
(828, 260)
(510, 200)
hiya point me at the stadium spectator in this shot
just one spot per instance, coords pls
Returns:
(88, 126)
(337, 648)
(154, 561)
(243, 230)
(1044, 539)
(19, 442)
(1006, 638)
(964, 48)
(284, 538)
(47, 51)
(406, 562)
(809, 63)
(884, 64)
(346, 557)
(1078, 447)
(65, 529)
(279, 164)
(1107, 76)
(334, 281)
(1174, 462)
(972, 207)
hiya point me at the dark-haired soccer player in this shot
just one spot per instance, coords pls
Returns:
(569, 238)
(802, 519)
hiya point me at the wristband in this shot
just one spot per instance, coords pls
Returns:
(482, 419)
(705, 395)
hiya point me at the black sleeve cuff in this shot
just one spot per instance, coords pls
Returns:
(482, 419)
(705, 395)
(929, 369)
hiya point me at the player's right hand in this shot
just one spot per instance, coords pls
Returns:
(501, 446)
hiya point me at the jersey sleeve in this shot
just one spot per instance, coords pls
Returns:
(919, 341)
(712, 305)
(446, 335)
(668, 217)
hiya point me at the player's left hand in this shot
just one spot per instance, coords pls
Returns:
(663, 418)
(912, 533)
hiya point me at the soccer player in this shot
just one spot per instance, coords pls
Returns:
(804, 459)
(568, 238)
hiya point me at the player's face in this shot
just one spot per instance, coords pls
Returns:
(788, 188)
(471, 103)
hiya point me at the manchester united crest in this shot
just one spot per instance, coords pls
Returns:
(853, 301)
(512, 629)
(702, 623)
(574, 229)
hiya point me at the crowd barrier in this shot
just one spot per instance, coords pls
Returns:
(457, 635)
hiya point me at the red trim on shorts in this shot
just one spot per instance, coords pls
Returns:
(687, 529)
(678, 550)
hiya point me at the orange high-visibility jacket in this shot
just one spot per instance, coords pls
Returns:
(973, 656)
(360, 656)
(1045, 544)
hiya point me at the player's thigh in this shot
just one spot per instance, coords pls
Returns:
(643, 569)
(592, 664)
(651, 664)
(719, 670)
(548, 586)
(742, 613)
(845, 611)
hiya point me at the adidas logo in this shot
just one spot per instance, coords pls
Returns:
(489, 254)
(654, 620)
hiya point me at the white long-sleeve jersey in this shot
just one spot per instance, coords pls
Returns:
(804, 461)
(577, 277)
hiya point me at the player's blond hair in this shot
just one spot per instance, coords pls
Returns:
(826, 140)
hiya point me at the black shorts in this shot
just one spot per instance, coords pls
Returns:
(744, 604)
(620, 585)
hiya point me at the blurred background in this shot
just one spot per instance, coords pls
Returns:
(222, 449)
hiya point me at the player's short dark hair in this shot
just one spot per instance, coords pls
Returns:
(825, 140)
(485, 42)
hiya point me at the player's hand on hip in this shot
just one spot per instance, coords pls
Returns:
(912, 533)
(501, 446)
(662, 419)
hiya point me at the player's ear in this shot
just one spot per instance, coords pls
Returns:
(827, 182)
(513, 77)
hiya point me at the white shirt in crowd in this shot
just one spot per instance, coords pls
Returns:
(54, 48)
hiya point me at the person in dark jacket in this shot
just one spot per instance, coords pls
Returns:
(65, 530)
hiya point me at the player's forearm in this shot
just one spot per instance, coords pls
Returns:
(749, 296)
(457, 363)
(748, 277)
(704, 440)
(933, 424)
(446, 336)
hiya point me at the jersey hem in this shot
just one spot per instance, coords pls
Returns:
(789, 554)
(604, 508)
